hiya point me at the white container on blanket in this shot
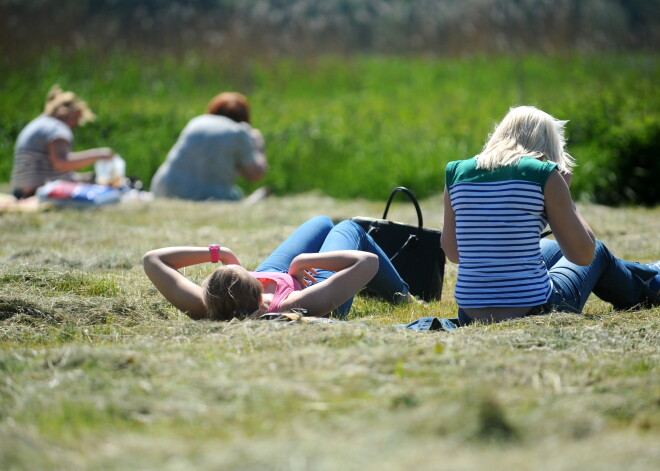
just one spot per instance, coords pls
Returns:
(110, 172)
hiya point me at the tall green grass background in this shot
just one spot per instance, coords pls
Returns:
(358, 126)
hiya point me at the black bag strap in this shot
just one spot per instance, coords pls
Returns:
(411, 239)
(411, 195)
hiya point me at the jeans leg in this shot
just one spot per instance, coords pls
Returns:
(645, 272)
(607, 276)
(308, 238)
(348, 235)
(550, 252)
(625, 284)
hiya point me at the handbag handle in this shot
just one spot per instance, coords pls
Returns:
(411, 195)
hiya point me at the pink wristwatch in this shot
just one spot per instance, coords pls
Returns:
(215, 252)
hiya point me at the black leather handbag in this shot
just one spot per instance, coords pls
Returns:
(414, 251)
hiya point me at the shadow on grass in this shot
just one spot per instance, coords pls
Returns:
(13, 307)
(493, 425)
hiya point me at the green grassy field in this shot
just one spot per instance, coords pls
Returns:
(365, 124)
(97, 371)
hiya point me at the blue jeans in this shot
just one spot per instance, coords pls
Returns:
(319, 234)
(623, 284)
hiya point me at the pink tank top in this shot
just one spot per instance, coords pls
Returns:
(285, 285)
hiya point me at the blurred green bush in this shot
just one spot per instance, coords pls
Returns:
(358, 127)
(630, 171)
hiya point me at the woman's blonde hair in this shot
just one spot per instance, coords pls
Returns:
(526, 131)
(231, 292)
(61, 103)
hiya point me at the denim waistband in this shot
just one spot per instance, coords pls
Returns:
(464, 319)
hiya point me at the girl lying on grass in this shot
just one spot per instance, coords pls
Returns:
(497, 204)
(319, 269)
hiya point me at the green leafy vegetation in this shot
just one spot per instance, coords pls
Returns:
(357, 127)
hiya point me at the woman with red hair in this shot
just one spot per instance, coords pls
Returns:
(212, 152)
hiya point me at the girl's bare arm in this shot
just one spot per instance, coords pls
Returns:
(354, 269)
(162, 267)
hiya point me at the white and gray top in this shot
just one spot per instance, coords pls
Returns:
(32, 167)
(205, 160)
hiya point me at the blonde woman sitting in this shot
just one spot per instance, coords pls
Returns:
(43, 150)
(498, 203)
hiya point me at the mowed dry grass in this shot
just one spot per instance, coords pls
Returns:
(97, 371)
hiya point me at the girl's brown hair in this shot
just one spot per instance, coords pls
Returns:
(233, 105)
(231, 292)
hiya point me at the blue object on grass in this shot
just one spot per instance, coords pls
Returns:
(432, 323)
(75, 194)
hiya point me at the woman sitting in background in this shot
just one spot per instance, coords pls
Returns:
(318, 269)
(212, 151)
(496, 206)
(43, 148)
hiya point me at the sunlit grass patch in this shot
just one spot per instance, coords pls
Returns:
(97, 370)
(44, 282)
